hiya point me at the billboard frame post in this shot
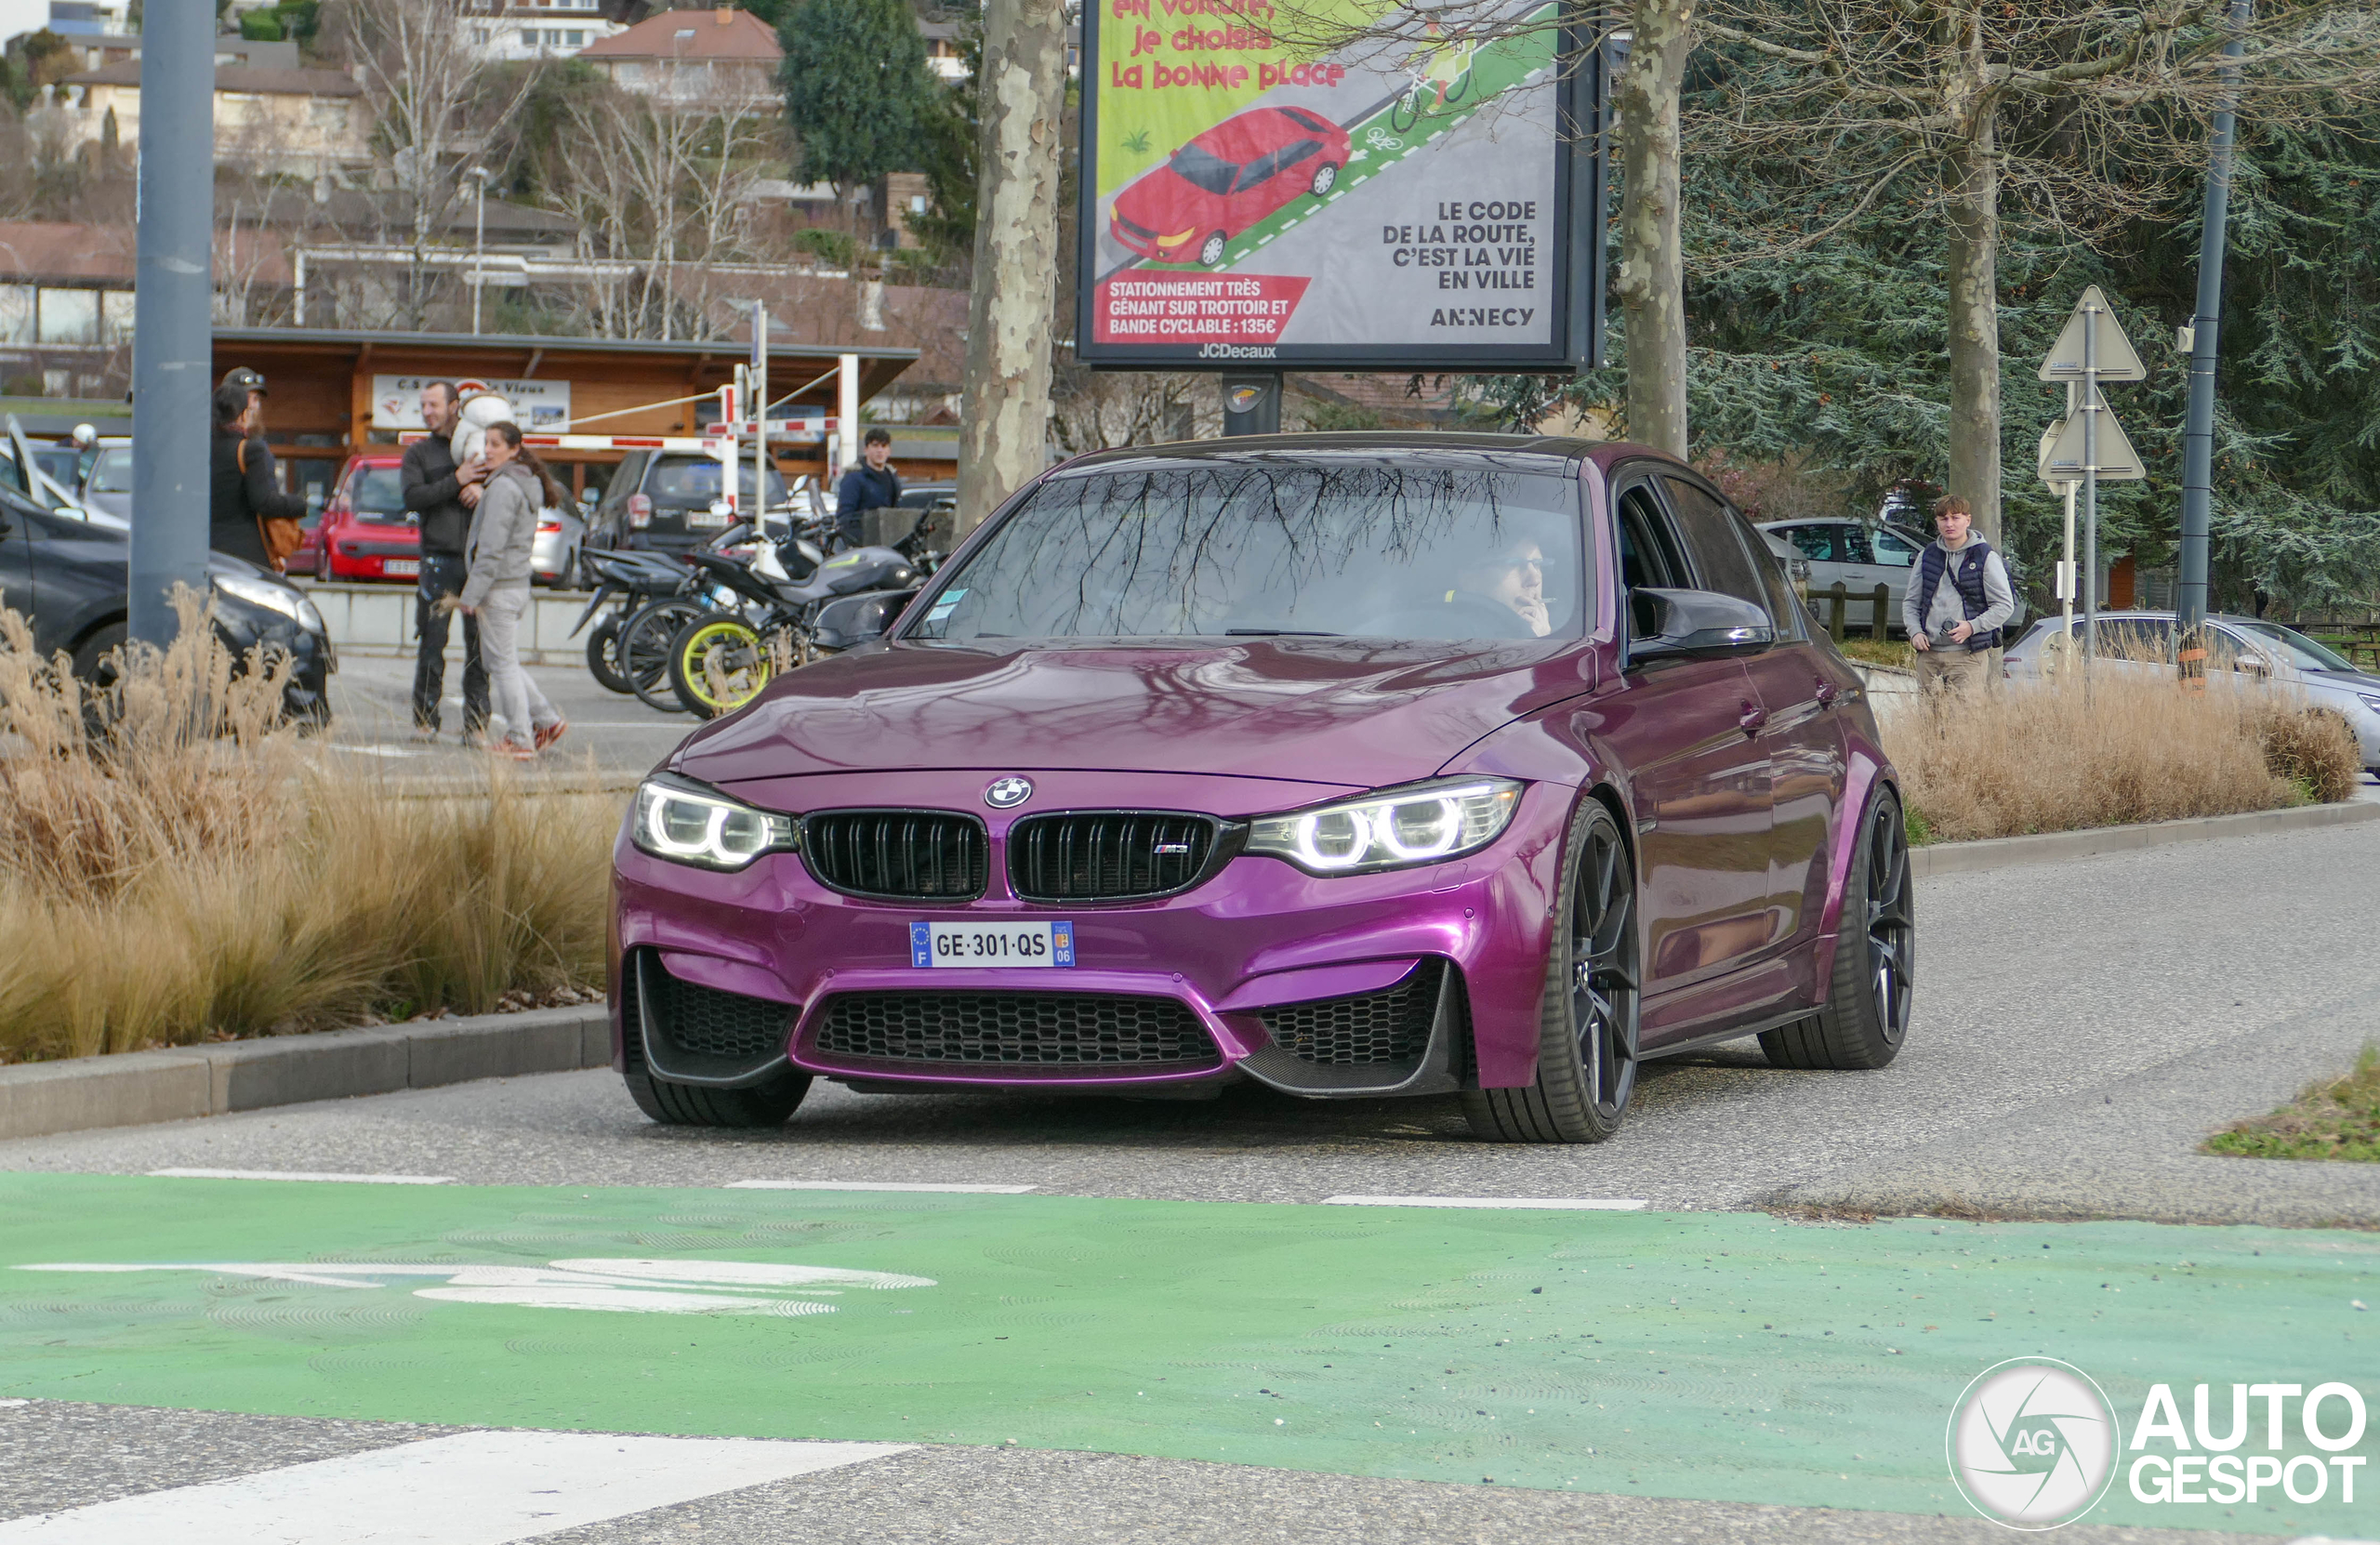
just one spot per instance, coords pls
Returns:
(1573, 267)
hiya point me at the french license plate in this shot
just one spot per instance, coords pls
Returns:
(400, 568)
(991, 943)
(705, 518)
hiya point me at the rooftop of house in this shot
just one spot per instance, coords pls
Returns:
(238, 77)
(693, 36)
(58, 252)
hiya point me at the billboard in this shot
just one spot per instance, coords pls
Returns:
(1429, 200)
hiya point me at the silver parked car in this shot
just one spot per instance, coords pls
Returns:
(553, 556)
(2243, 651)
(108, 485)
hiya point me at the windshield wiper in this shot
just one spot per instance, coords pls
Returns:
(1279, 633)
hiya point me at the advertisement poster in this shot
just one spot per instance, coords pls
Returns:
(1376, 202)
(543, 407)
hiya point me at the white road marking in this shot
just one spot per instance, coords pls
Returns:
(639, 1287)
(299, 1175)
(473, 1489)
(1578, 1204)
(378, 751)
(878, 1185)
(6, 1404)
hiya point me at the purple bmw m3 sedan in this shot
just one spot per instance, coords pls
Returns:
(1358, 765)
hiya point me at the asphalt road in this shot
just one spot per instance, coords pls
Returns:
(371, 703)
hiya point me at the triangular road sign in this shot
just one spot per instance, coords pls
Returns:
(2062, 454)
(2117, 359)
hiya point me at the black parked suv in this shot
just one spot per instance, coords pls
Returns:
(68, 578)
(659, 501)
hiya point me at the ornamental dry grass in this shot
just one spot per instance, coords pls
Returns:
(176, 865)
(2052, 756)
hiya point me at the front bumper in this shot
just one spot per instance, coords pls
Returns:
(1255, 935)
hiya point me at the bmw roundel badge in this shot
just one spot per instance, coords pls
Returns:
(1008, 793)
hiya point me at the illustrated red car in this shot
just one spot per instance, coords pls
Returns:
(1227, 180)
(365, 532)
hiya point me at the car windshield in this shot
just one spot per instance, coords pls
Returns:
(1415, 550)
(1203, 170)
(2296, 647)
(377, 496)
(112, 472)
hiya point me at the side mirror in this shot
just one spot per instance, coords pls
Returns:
(853, 620)
(1666, 623)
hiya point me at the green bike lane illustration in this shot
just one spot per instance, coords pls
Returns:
(1378, 145)
(1722, 1356)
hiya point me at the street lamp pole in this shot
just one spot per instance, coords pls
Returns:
(2197, 432)
(479, 245)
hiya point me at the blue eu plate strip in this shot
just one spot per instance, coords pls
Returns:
(921, 944)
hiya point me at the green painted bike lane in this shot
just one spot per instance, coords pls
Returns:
(1720, 1356)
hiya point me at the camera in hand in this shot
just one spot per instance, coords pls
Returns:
(1946, 638)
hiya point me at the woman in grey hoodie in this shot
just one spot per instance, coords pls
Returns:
(504, 527)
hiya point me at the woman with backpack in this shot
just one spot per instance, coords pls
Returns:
(504, 528)
(247, 515)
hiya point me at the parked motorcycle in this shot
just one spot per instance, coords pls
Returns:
(720, 660)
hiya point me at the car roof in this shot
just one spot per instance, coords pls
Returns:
(1551, 452)
(1251, 133)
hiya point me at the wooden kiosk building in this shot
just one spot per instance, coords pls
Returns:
(334, 392)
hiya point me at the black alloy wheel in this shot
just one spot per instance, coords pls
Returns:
(1865, 1017)
(1587, 1033)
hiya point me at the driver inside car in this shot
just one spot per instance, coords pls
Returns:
(1513, 577)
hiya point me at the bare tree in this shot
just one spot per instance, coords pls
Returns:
(1652, 256)
(1005, 425)
(430, 90)
(1942, 110)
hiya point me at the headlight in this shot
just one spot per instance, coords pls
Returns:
(681, 821)
(2370, 701)
(1419, 825)
(272, 597)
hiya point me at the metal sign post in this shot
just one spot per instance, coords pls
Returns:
(2091, 348)
(757, 377)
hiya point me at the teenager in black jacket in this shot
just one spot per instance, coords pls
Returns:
(238, 495)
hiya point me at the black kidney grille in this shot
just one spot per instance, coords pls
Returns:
(714, 1024)
(919, 854)
(1014, 1029)
(1392, 1026)
(1107, 855)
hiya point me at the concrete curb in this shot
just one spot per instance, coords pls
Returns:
(40, 1098)
(2000, 852)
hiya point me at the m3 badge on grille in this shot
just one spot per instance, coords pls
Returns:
(1008, 793)
(992, 944)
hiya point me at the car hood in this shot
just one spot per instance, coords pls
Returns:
(1350, 712)
(2345, 680)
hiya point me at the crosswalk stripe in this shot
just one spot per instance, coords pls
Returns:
(879, 1185)
(471, 1488)
(299, 1175)
(1581, 1204)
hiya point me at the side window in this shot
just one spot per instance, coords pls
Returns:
(2225, 651)
(1894, 549)
(2145, 640)
(1647, 552)
(1257, 171)
(1714, 536)
(1852, 545)
(1814, 543)
(1304, 150)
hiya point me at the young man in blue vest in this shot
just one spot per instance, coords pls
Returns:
(1955, 603)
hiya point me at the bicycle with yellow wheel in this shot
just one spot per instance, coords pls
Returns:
(719, 661)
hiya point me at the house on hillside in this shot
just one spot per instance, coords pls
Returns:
(693, 58)
(271, 119)
(66, 301)
(518, 31)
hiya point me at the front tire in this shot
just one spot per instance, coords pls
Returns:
(690, 1105)
(603, 656)
(1866, 1015)
(1587, 1020)
(644, 652)
(1326, 177)
(717, 664)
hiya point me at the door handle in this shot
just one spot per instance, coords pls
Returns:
(1828, 693)
(1751, 718)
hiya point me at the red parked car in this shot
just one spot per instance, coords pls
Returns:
(1227, 180)
(365, 532)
